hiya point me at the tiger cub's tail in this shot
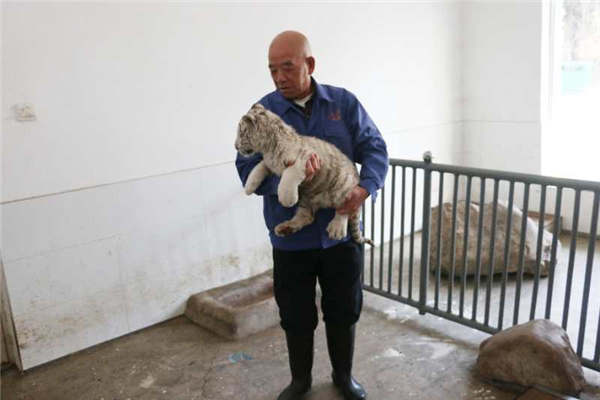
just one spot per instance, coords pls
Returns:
(354, 225)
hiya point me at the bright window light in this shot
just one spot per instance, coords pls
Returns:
(572, 137)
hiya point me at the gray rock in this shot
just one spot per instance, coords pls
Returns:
(535, 353)
(529, 265)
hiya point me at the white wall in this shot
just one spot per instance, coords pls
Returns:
(122, 199)
(502, 81)
(501, 84)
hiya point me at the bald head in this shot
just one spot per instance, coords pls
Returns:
(291, 64)
(292, 42)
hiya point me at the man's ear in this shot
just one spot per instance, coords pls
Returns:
(310, 61)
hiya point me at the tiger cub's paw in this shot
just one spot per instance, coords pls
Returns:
(337, 229)
(288, 196)
(251, 185)
(284, 229)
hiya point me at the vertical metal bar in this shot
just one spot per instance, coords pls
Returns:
(574, 228)
(521, 254)
(556, 232)
(538, 253)
(463, 285)
(511, 195)
(588, 274)
(402, 210)
(453, 243)
(363, 212)
(479, 244)
(391, 243)
(488, 292)
(426, 225)
(372, 252)
(412, 232)
(438, 268)
(597, 352)
(382, 237)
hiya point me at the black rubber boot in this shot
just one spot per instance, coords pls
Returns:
(300, 354)
(340, 343)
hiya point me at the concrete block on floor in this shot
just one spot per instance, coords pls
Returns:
(543, 394)
(534, 394)
(236, 310)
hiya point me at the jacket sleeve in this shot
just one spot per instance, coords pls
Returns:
(369, 147)
(245, 165)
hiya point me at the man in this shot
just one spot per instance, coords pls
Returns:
(335, 115)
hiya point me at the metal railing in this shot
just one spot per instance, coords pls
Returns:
(400, 221)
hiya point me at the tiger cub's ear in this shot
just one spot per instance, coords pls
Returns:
(258, 106)
(249, 119)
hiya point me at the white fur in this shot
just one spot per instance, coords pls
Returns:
(257, 175)
(291, 178)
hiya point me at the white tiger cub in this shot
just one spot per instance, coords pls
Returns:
(285, 153)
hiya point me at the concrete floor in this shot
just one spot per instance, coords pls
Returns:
(399, 355)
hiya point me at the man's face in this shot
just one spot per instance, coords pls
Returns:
(290, 73)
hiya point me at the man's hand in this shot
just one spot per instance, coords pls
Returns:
(354, 200)
(313, 164)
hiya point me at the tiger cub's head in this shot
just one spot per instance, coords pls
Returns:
(254, 130)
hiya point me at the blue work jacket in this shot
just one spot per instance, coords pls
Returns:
(339, 118)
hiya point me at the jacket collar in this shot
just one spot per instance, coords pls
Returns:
(320, 93)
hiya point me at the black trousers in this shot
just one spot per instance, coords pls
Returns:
(338, 270)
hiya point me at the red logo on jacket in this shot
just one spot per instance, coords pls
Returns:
(335, 116)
